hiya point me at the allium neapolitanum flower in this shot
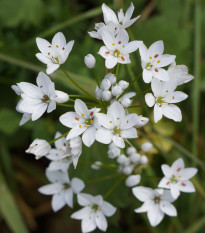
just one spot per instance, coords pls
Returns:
(157, 202)
(113, 23)
(54, 54)
(93, 212)
(36, 99)
(61, 188)
(116, 126)
(81, 121)
(177, 178)
(164, 100)
(117, 49)
(39, 148)
(153, 61)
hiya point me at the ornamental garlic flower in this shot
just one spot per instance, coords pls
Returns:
(157, 202)
(90, 61)
(61, 188)
(39, 148)
(37, 99)
(83, 121)
(116, 126)
(117, 49)
(164, 98)
(93, 212)
(177, 178)
(54, 54)
(153, 61)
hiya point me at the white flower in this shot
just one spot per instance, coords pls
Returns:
(163, 100)
(116, 126)
(37, 99)
(90, 61)
(65, 153)
(179, 74)
(26, 116)
(81, 121)
(177, 178)
(39, 148)
(157, 202)
(105, 84)
(113, 151)
(153, 61)
(54, 54)
(93, 212)
(125, 100)
(141, 121)
(61, 188)
(117, 49)
(132, 180)
(146, 146)
(106, 95)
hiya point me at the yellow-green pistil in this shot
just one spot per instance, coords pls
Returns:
(45, 99)
(160, 100)
(95, 207)
(157, 200)
(148, 66)
(117, 130)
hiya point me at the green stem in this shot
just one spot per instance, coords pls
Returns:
(56, 139)
(96, 78)
(76, 84)
(117, 70)
(102, 178)
(113, 187)
(65, 105)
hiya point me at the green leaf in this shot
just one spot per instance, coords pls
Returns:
(9, 209)
(9, 121)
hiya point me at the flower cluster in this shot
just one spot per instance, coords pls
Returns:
(108, 119)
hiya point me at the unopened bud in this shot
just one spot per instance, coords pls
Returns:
(116, 91)
(105, 84)
(146, 146)
(123, 84)
(98, 93)
(133, 180)
(90, 61)
(111, 77)
(143, 159)
(106, 95)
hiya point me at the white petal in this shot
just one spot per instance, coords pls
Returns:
(175, 97)
(51, 68)
(41, 57)
(59, 40)
(172, 112)
(118, 141)
(145, 206)
(187, 173)
(76, 131)
(155, 215)
(143, 52)
(104, 135)
(105, 121)
(81, 108)
(129, 133)
(156, 48)
(129, 12)
(147, 75)
(101, 221)
(77, 185)
(164, 60)
(39, 111)
(133, 180)
(167, 170)
(30, 90)
(50, 189)
(111, 62)
(178, 165)
(69, 46)
(58, 201)
(174, 191)
(164, 183)
(84, 199)
(88, 224)
(82, 213)
(157, 87)
(129, 121)
(150, 99)
(89, 136)
(143, 193)
(157, 113)
(43, 45)
(26, 117)
(61, 97)
(68, 196)
(104, 52)
(123, 37)
(108, 14)
(168, 208)
(161, 74)
(108, 209)
(117, 112)
(57, 176)
(132, 46)
(186, 186)
(71, 119)
(51, 106)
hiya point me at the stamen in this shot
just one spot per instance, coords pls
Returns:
(86, 125)
(183, 184)
(56, 46)
(91, 121)
(119, 42)
(82, 115)
(80, 126)
(156, 55)
(156, 70)
(123, 58)
(77, 119)
(178, 169)
(118, 118)
(91, 114)
(167, 91)
(150, 58)
(158, 61)
(110, 121)
(113, 44)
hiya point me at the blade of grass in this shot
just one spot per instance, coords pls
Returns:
(196, 226)
(196, 86)
(9, 209)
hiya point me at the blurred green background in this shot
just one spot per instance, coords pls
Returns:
(179, 24)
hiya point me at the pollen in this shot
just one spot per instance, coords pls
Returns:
(160, 105)
(86, 125)
(110, 121)
(107, 52)
(56, 46)
(150, 58)
(91, 121)
(118, 118)
(76, 118)
(172, 97)
(80, 126)
(49, 53)
(155, 56)
(123, 58)
(179, 176)
(91, 114)
(158, 61)
(119, 42)
(167, 91)
(113, 44)
(82, 115)
(156, 70)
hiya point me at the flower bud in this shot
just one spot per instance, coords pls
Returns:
(133, 180)
(135, 157)
(106, 95)
(122, 159)
(126, 102)
(143, 159)
(111, 77)
(123, 84)
(146, 146)
(90, 61)
(105, 84)
(61, 97)
(131, 150)
(98, 93)
(128, 170)
(141, 121)
(96, 165)
(39, 148)
(116, 90)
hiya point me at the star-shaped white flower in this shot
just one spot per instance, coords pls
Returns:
(177, 178)
(61, 188)
(26, 116)
(39, 148)
(37, 99)
(116, 126)
(82, 121)
(152, 62)
(54, 54)
(157, 202)
(164, 100)
(117, 49)
(93, 212)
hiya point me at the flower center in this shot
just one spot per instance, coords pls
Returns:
(89, 122)
(66, 186)
(116, 53)
(160, 100)
(45, 99)
(95, 207)
(149, 66)
(173, 179)
(157, 200)
(117, 131)
(56, 58)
